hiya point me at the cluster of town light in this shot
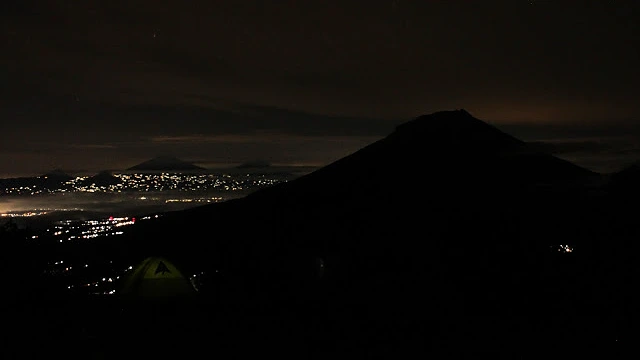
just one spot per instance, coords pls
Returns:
(88, 229)
(101, 286)
(154, 182)
(565, 249)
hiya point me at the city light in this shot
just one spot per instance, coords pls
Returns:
(154, 182)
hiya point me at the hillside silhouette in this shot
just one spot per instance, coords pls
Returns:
(57, 174)
(103, 178)
(448, 236)
(51, 180)
(165, 163)
(445, 232)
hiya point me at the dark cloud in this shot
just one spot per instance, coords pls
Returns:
(109, 76)
(218, 118)
(575, 146)
(126, 134)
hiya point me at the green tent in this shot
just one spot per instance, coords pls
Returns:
(155, 296)
(156, 278)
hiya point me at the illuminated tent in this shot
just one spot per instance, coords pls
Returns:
(156, 278)
(156, 295)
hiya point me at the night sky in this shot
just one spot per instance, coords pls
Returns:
(94, 85)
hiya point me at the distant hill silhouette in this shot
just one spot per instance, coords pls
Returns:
(51, 180)
(103, 178)
(57, 174)
(165, 163)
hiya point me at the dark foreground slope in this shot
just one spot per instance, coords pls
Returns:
(442, 238)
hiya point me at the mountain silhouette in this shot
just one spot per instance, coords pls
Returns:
(440, 162)
(443, 228)
(426, 171)
(103, 178)
(58, 175)
(445, 150)
(51, 180)
(165, 163)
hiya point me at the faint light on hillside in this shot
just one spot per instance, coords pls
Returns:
(565, 249)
